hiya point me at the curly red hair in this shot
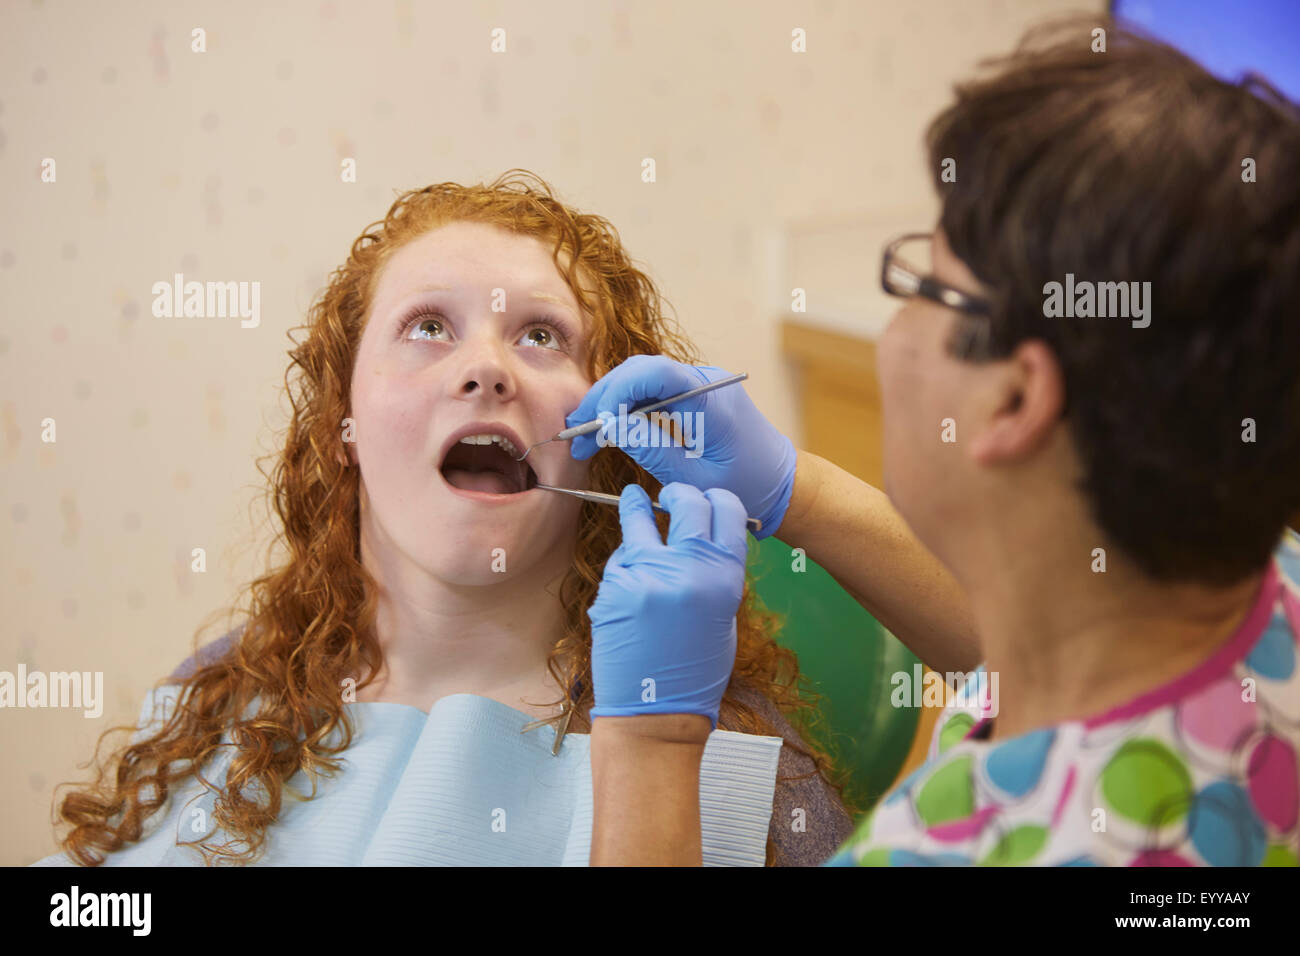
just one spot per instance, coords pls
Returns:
(310, 621)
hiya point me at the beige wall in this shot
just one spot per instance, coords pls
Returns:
(774, 169)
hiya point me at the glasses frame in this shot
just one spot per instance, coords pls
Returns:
(927, 286)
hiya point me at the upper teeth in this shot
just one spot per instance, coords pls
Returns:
(501, 440)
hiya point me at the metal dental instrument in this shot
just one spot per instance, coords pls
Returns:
(597, 423)
(603, 499)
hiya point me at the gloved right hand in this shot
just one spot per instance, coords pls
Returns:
(663, 625)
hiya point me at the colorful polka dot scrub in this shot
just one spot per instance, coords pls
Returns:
(1200, 772)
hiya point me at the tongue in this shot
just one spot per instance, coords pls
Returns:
(490, 481)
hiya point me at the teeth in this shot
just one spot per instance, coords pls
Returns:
(501, 440)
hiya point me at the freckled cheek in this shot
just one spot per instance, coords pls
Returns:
(394, 416)
(575, 471)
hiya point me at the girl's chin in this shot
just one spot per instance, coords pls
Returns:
(460, 578)
(491, 550)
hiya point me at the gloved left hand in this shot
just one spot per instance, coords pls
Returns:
(663, 625)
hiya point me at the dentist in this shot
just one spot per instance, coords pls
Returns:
(1115, 505)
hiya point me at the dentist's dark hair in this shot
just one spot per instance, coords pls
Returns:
(1134, 165)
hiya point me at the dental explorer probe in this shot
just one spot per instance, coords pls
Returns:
(597, 423)
(603, 499)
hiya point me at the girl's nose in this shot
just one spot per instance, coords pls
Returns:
(485, 369)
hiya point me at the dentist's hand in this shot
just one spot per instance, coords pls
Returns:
(663, 625)
(736, 448)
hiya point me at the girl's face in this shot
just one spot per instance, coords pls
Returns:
(472, 331)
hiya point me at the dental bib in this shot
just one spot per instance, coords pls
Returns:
(460, 786)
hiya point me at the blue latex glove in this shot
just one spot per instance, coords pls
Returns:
(663, 625)
(740, 449)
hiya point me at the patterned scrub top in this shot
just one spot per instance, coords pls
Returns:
(1199, 772)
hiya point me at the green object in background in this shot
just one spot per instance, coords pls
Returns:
(848, 658)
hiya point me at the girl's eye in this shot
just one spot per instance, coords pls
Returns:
(539, 335)
(424, 319)
(543, 336)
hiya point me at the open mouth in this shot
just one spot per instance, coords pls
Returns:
(482, 463)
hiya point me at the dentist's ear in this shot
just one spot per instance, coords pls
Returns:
(1027, 402)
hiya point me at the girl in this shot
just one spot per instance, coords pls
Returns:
(375, 705)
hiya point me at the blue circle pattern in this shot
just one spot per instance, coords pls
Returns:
(1224, 828)
(1274, 653)
(1016, 766)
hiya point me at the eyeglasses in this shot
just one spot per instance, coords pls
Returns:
(905, 272)
(900, 277)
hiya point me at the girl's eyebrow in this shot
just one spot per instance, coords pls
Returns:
(547, 297)
(544, 296)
